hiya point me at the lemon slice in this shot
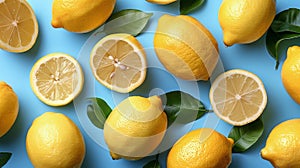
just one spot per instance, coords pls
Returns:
(118, 62)
(238, 97)
(18, 26)
(56, 79)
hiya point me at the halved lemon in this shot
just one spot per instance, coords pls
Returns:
(56, 79)
(118, 61)
(238, 97)
(18, 26)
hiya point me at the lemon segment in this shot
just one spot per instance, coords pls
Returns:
(9, 108)
(203, 147)
(238, 97)
(81, 16)
(135, 127)
(56, 79)
(118, 61)
(53, 140)
(282, 146)
(290, 73)
(18, 26)
(245, 21)
(161, 2)
(195, 52)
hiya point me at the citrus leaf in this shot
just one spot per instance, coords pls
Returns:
(285, 26)
(4, 158)
(245, 136)
(129, 21)
(182, 107)
(287, 21)
(187, 6)
(152, 164)
(273, 40)
(98, 111)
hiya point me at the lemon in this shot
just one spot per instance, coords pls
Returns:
(56, 79)
(118, 61)
(282, 146)
(290, 73)
(135, 127)
(161, 2)
(18, 26)
(81, 16)
(203, 148)
(54, 141)
(238, 97)
(185, 47)
(9, 108)
(245, 21)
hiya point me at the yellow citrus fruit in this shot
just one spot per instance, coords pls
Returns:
(290, 73)
(53, 140)
(238, 97)
(18, 26)
(182, 41)
(245, 21)
(56, 79)
(118, 61)
(81, 15)
(9, 108)
(161, 2)
(282, 146)
(203, 147)
(135, 127)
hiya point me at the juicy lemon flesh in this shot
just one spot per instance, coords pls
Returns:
(57, 80)
(18, 26)
(239, 99)
(119, 65)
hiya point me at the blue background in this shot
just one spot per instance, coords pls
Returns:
(15, 69)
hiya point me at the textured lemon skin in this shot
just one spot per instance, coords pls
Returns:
(161, 2)
(245, 21)
(81, 16)
(54, 141)
(189, 56)
(283, 144)
(133, 139)
(290, 73)
(203, 147)
(9, 108)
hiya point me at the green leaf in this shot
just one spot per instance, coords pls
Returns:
(98, 111)
(285, 26)
(183, 107)
(4, 157)
(129, 21)
(273, 40)
(245, 136)
(187, 6)
(152, 164)
(287, 21)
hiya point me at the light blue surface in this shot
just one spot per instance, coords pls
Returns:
(15, 68)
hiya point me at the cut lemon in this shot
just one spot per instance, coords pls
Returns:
(18, 26)
(118, 61)
(56, 79)
(238, 97)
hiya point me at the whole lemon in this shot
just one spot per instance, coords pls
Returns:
(185, 47)
(283, 144)
(245, 21)
(54, 141)
(135, 127)
(203, 147)
(81, 15)
(161, 2)
(9, 108)
(290, 73)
